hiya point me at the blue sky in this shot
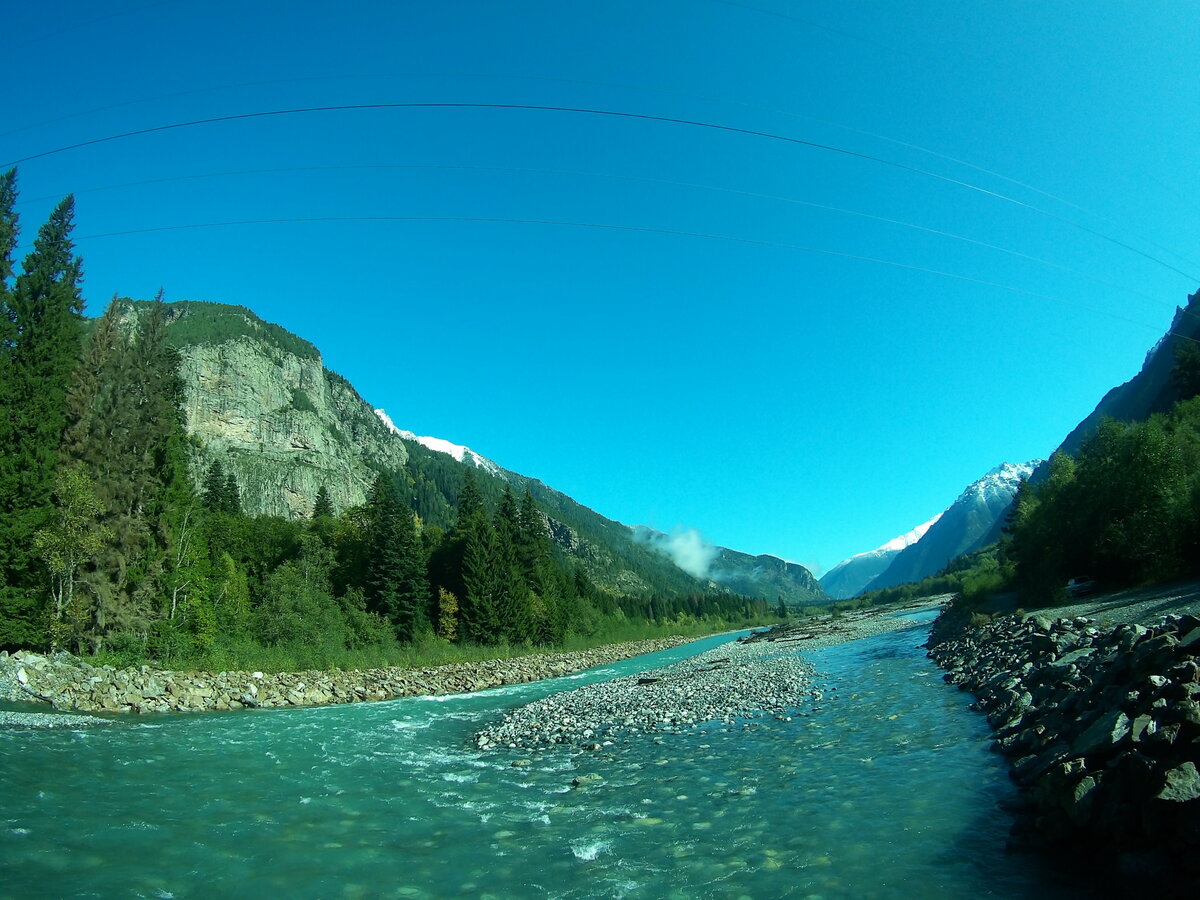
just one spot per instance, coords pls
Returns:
(794, 350)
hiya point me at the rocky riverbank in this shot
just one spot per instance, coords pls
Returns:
(1102, 725)
(68, 683)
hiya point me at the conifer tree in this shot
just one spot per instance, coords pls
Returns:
(232, 495)
(215, 484)
(8, 243)
(322, 506)
(41, 333)
(126, 427)
(512, 597)
(397, 587)
(478, 609)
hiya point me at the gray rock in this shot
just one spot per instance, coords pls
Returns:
(1181, 784)
(1107, 733)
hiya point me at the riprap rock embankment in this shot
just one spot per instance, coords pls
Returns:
(68, 683)
(1102, 726)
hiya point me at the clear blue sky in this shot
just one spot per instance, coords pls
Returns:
(772, 385)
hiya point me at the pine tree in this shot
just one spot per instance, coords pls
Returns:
(478, 609)
(397, 587)
(42, 326)
(215, 483)
(512, 598)
(322, 506)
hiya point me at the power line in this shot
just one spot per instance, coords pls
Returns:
(633, 178)
(695, 123)
(560, 223)
(908, 145)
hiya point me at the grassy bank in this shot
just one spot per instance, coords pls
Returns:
(425, 651)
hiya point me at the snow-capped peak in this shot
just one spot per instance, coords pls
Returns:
(1001, 480)
(458, 451)
(906, 540)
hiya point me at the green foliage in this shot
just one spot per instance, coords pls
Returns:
(73, 538)
(40, 332)
(396, 582)
(322, 506)
(1185, 375)
(1125, 511)
(301, 401)
(216, 323)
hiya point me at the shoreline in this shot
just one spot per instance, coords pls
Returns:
(1097, 707)
(68, 684)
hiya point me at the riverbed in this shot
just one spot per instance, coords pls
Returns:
(883, 788)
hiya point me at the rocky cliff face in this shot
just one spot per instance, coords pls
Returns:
(260, 400)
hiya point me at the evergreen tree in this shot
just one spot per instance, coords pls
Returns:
(322, 506)
(41, 331)
(8, 243)
(232, 495)
(512, 594)
(397, 587)
(478, 611)
(126, 427)
(215, 485)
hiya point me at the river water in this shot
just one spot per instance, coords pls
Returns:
(886, 789)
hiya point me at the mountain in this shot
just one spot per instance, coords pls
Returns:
(259, 400)
(458, 451)
(966, 525)
(1151, 390)
(851, 576)
(763, 576)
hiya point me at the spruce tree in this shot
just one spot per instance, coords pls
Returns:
(126, 426)
(397, 587)
(213, 491)
(512, 598)
(42, 331)
(322, 506)
(478, 609)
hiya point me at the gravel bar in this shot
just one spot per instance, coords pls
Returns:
(730, 682)
(762, 675)
(12, 719)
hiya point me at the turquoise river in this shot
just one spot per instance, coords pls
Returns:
(885, 789)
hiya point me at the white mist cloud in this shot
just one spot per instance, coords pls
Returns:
(685, 547)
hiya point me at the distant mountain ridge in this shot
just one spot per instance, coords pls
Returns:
(259, 400)
(965, 526)
(763, 575)
(852, 575)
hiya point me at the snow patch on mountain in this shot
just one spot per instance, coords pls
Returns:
(1001, 481)
(853, 574)
(439, 445)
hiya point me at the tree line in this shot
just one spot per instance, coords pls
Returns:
(118, 539)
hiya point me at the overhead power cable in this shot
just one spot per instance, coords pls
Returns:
(633, 178)
(560, 223)
(694, 123)
(742, 103)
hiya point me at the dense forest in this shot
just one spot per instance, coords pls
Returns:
(117, 540)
